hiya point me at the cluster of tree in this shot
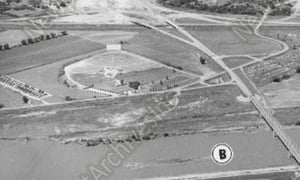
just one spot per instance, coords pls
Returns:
(4, 47)
(246, 7)
(25, 99)
(283, 10)
(280, 78)
(42, 37)
(298, 69)
(134, 85)
(68, 98)
(4, 7)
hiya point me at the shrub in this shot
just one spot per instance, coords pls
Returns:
(276, 79)
(48, 37)
(30, 41)
(42, 37)
(68, 98)
(286, 76)
(53, 35)
(2, 106)
(24, 42)
(1, 47)
(6, 46)
(298, 69)
(64, 33)
(202, 60)
(134, 85)
(25, 99)
(63, 4)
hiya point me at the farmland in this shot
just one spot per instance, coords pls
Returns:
(223, 40)
(45, 52)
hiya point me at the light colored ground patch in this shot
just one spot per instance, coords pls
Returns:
(105, 16)
(121, 119)
(111, 37)
(283, 94)
(111, 61)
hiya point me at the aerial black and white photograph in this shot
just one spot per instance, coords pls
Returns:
(149, 89)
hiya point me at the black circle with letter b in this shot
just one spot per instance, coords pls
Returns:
(222, 154)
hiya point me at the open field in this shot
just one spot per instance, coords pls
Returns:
(44, 52)
(107, 37)
(173, 156)
(233, 62)
(283, 94)
(288, 116)
(231, 41)
(48, 78)
(198, 110)
(168, 50)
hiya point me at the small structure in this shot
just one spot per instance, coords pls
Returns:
(113, 47)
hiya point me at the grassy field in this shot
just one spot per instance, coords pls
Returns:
(233, 62)
(45, 52)
(209, 109)
(228, 41)
(10, 99)
(107, 37)
(168, 50)
(288, 116)
(283, 94)
(47, 78)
